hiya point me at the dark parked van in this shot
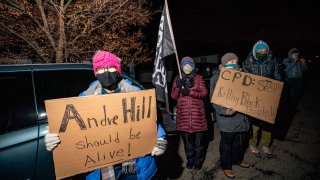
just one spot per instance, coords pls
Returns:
(23, 120)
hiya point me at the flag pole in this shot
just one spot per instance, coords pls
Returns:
(173, 41)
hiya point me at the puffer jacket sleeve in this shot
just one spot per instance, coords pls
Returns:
(277, 74)
(288, 65)
(161, 132)
(245, 64)
(175, 93)
(200, 90)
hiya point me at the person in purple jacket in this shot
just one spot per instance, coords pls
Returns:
(190, 92)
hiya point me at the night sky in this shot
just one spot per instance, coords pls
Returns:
(216, 27)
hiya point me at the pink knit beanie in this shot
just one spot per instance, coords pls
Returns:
(103, 59)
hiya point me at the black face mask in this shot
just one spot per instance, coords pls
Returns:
(108, 79)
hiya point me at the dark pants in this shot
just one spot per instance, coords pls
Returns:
(194, 146)
(295, 89)
(232, 148)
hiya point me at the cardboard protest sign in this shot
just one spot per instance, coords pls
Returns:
(99, 131)
(253, 95)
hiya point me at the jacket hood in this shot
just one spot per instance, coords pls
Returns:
(293, 50)
(258, 46)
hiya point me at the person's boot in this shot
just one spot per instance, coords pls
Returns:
(254, 150)
(190, 164)
(197, 166)
(244, 164)
(267, 152)
(229, 173)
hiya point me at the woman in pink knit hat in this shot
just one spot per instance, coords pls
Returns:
(107, 69)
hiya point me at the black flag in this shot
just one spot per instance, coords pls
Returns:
(165, 47)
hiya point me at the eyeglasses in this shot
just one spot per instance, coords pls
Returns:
(109, 69)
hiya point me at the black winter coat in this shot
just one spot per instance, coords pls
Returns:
(269, 68)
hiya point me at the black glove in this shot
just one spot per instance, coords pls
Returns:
(189, 83)
(179, 83)
(185, 91)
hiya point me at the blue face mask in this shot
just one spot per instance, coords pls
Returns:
(232, 66)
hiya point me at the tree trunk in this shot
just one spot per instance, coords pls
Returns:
(62, 36)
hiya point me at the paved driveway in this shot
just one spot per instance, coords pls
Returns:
(296, 148)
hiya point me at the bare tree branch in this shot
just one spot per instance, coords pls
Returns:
(14, 5)
(26, 38)
(66, 5)
(45, 26)
(71, 31)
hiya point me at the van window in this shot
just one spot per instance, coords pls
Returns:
(17, 108)
(59, 84)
